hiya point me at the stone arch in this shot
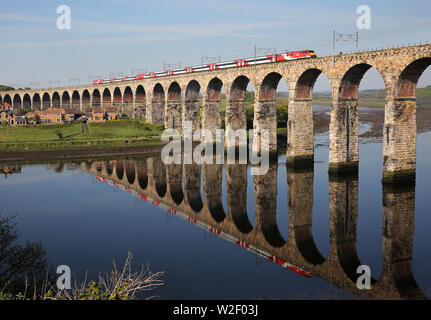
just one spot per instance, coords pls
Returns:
(300, 208)
(268, 87)
(37, 104)
(236, 112)
(96, 99)
(58, 168)
(211, 117)
(192, 186)
(213, 191)
(305, 84)
(26, 102)
(159, 175)
(156, 114)
(109, 167)
(265, 204)
(76, 100)
(119, 169)
(128, 101)
(349, 85)
(300, 124)
(173, 107)
(344, 128)
(106, 98)
(409, 77)
(343, 212)
(88, 164)
(140, 102)
(238, 88)
(17, 102)
(56, 101)
(236, 192)
(65, 100)
(398, 237)
(265, 113)
(85, 99)
(400, 130)
(7, 99)
(142, 174)
(46, 101)
(117, 99)
(191, 110)
(130, 171)
(174, 178)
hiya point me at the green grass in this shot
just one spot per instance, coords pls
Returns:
(34, 133)
(103, 134)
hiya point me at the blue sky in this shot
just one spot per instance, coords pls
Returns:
(118, 35)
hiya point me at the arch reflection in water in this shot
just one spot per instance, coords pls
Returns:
(162, 185)
(192, 186)
(175, 183)
(300, 209)
(236, 190)
(213, 190)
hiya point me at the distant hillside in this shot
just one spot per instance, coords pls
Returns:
(424, 94)
(5, 88)
(376, 98)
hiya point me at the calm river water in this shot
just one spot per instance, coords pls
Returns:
(219, 233)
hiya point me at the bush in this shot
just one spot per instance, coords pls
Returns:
(282, 116)
(250, 116)
(59, 134)
(119, 284)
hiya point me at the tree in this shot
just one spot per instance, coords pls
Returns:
(59, 134)
(6, 88)
(19, 263)
(282, 116)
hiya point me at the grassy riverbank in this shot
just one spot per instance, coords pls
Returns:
(73, 136)
(376, 98)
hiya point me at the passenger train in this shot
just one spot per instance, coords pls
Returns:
(214, 66)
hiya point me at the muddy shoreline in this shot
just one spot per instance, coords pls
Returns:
(373, 117)
(7, 156)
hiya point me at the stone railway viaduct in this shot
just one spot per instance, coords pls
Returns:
(172, 100)
(163, 185)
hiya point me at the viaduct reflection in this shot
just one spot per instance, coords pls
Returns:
(177, 189)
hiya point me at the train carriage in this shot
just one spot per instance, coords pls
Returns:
(304, 54)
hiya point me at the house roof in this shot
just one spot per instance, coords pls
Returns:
(98, 109)
(52, 111)
(13, 112)
(71, 111)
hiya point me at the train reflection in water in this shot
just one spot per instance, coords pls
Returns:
(177, 189)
